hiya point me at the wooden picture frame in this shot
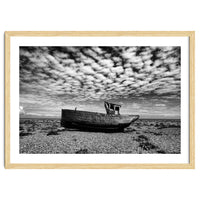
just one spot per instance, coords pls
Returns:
(153, 34)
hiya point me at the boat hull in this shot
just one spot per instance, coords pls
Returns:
(91, 121)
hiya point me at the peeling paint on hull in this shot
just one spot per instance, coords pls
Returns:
(93, 121)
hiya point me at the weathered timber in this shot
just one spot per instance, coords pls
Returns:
(95, 121)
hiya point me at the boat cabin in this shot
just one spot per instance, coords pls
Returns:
(112, 108)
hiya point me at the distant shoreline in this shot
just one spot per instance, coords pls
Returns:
(39, 118)
(139, 118)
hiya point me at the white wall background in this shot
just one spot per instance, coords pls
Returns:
(105, 15)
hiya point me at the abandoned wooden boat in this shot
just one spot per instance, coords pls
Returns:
(112, 121)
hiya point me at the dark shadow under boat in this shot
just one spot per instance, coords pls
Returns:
(97, 122)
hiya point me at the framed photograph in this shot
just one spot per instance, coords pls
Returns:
(99, 100)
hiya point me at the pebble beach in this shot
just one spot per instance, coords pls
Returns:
(46, 136)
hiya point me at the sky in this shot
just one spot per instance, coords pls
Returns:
(145, 80)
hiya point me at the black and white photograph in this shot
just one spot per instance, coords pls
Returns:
(100, 99)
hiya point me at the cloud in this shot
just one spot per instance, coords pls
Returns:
(106, 63)
(160, 105)
(21, 110)
(65, 75)
(118, 70)
(87, 70)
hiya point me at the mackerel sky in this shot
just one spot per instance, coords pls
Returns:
(144, 79)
